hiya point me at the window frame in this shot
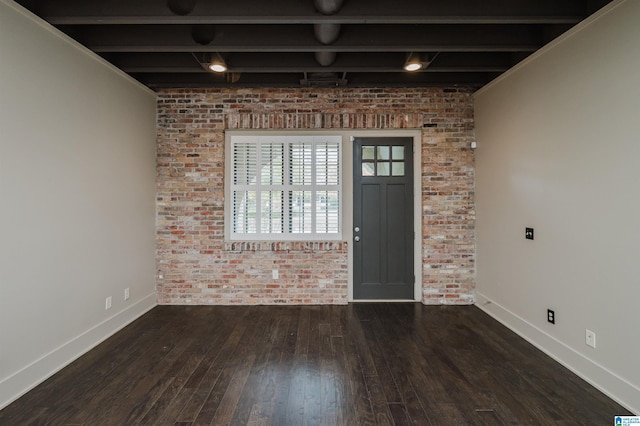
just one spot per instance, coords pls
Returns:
(233, 138)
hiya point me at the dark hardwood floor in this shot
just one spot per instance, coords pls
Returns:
(372, 364)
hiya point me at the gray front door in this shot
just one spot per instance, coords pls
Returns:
(383, 218)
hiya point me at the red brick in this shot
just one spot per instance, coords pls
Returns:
(200, 268)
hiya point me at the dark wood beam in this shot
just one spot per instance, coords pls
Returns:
(81, 12)
(251, 20)
(300, 38)
(293, 79)
(305, 62)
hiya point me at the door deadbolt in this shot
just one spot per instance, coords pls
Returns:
(357, 229)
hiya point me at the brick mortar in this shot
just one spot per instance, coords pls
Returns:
(199, 267)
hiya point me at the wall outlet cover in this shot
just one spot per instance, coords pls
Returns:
(528, 233)
(590, 338)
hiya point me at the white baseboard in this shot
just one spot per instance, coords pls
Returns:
(607, 382)
(22, 381)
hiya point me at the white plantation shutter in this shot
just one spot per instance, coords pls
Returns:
(300, 163)
(300, 212)
(272, 163)
(327, 163)
(245, 172)
(327, 168)
(272, 212)
(271, 178)
(286, 187)
(327, 212)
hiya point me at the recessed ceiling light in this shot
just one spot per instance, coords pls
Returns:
(217, 67)
(413, 66)
(413, 62)
(217, 64)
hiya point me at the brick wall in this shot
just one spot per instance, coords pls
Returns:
(196, 265)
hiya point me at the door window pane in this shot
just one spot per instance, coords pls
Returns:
(397, 152)
(397, 168)
(383, 153)
(383, 169)
(368, 169)
(383, 160)
(368, 152)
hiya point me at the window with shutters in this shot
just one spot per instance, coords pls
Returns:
(285, 187)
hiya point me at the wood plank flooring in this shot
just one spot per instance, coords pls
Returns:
(361, 364)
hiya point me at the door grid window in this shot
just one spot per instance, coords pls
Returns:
(383, 160)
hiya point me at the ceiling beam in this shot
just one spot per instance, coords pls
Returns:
(293, 80)
(297, 48)
(82, 12)
(316, 68)
(309, 20)
(305, 62)
(300, 38)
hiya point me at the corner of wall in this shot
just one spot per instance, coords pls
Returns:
(22, 381)
(590, 371)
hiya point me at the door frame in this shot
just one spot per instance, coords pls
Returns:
(347, 197)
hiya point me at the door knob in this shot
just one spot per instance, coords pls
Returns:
(357, 238)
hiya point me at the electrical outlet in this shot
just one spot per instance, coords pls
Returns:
(551, 316)
(126, 293)
(590, 338)
(107, 303)
(528, 233)
(275, 274)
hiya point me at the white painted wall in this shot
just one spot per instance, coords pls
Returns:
(77, 189)
(559, 150)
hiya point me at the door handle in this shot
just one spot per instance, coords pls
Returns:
(357, 238)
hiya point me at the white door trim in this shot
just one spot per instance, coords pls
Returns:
(347, 215)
